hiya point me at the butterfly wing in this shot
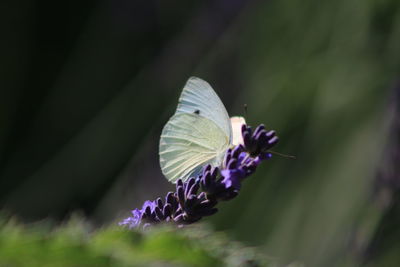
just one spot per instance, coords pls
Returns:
(199, 132)
(187, 143)
(198, 96)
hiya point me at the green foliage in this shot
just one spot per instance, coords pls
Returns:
(75, 244)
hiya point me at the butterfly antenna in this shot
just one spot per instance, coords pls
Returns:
(245, 110)
(282, 155)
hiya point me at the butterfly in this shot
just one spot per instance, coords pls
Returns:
(199, 132)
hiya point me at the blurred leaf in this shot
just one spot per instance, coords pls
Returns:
(74, 244)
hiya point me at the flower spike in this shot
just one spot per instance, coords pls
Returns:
(197, 197)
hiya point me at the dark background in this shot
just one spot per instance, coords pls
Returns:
(86, 87)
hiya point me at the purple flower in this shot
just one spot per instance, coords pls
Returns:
(212, 185)
(148, 206)
(133, 221)
(235, 170)
(192, 206)
(258, 142)
(198, 196)
(233, 178)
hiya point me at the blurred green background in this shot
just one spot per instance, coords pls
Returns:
(86, 87)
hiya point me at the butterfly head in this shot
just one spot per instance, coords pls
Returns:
(236, 124)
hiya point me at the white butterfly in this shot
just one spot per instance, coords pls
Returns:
(199, 132)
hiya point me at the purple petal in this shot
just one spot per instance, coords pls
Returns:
(132, 221)
(237, 150)
(273, 141)
(258, 129)
(261, 157)
(270, 133)
(188, 185)
(232, 178)
(241, 157)
(214, 172)
(232, 164)
(149, 204)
